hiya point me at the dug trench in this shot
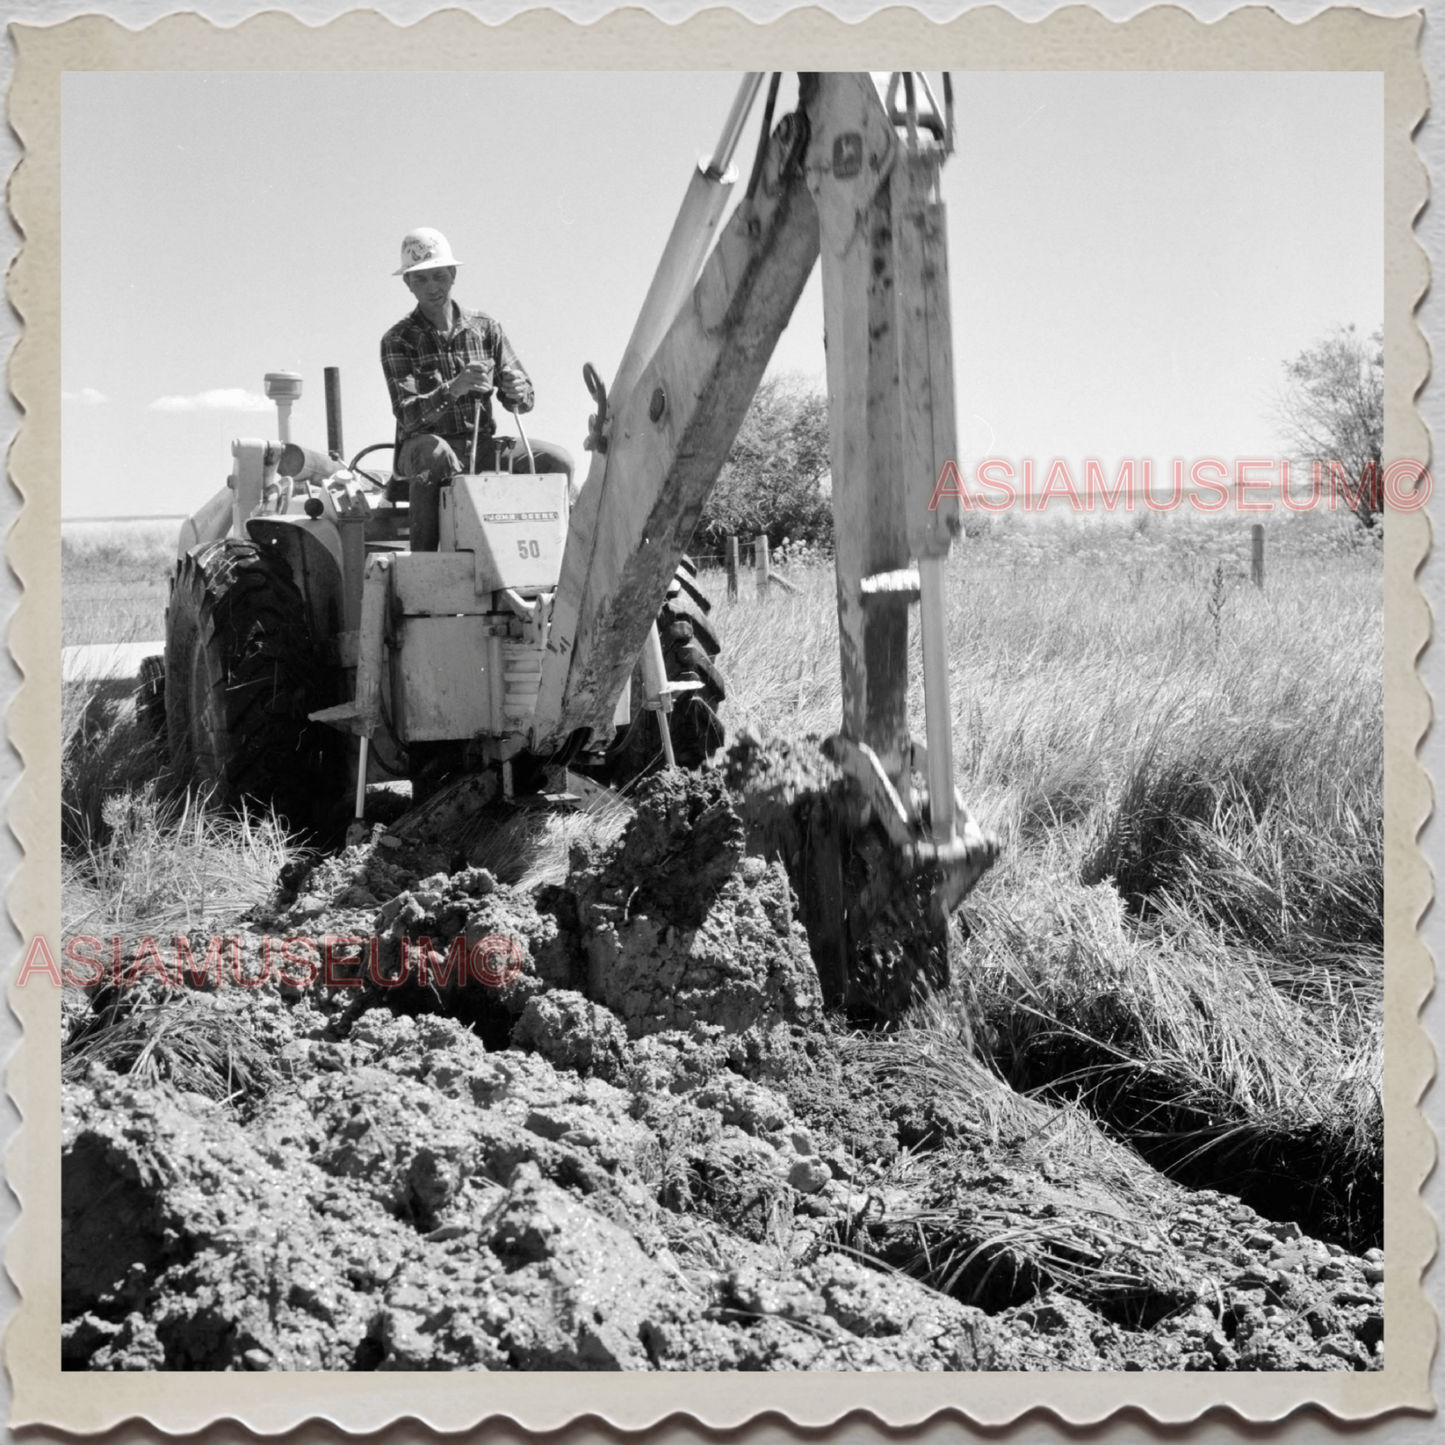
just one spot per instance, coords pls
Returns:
(640, 1143)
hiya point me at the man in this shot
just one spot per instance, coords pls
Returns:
(442, 366)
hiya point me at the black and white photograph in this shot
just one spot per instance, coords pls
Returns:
(723, 721)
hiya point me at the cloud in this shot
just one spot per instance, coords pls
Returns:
(87, 395)
(222, 398)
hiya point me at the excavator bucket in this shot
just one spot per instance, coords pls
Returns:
(875, 894)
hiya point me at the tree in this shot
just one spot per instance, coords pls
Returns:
(1332, 409)
(772, 479)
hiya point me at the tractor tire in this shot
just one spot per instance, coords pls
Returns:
(150, 699)
(689, 646)
(242, 673)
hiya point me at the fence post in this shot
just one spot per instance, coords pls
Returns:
(732, 568)
(1256, 554)
(760, 561)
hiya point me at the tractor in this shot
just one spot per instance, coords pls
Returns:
(309, 650)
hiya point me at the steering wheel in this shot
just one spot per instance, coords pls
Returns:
(366, 452)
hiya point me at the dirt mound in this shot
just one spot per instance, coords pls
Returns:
(683, 845)
(608, 1126)
(744, 964)
(672, 927)
(412, 1201)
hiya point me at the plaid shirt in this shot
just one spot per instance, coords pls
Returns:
(419, 362)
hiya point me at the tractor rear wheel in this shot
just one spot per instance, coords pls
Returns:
(150, 698)
(242, 673)
(689, 646)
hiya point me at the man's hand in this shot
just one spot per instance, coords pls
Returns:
(474, 376)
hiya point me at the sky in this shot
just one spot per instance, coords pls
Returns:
(1132, 257)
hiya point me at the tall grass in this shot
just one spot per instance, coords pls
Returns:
(139, 852)
(192, 1041)
(1186, 773)
(781, 657)
(169, 865)
(977, 1244)
(104, 752)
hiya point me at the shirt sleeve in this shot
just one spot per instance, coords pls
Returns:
(413, 409)
(513, 384)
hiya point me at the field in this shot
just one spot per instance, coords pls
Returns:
(1173, 976)
(114, 581)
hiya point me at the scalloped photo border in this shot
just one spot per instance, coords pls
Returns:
(1077, 38)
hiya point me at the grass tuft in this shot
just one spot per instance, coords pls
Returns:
(532, 848)
(1006, 1196)
(105, 753)
(183, 1039)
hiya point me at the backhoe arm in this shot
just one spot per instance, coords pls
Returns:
(852, 176)
(669, 438)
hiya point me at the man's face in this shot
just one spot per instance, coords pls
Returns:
(432, 287)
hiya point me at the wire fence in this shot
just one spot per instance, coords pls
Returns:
(713, 558)
(749, 556)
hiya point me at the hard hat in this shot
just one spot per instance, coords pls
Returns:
(424, 249)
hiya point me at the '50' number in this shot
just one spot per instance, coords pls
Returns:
(528, 549)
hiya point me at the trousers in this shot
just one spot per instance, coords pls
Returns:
(432, 461)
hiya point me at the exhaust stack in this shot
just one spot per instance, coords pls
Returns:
(334, 444)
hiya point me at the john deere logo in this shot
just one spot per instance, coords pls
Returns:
(847, 155)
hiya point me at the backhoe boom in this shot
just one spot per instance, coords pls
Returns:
(668, 440)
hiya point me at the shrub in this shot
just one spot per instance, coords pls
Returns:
(773, 478)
